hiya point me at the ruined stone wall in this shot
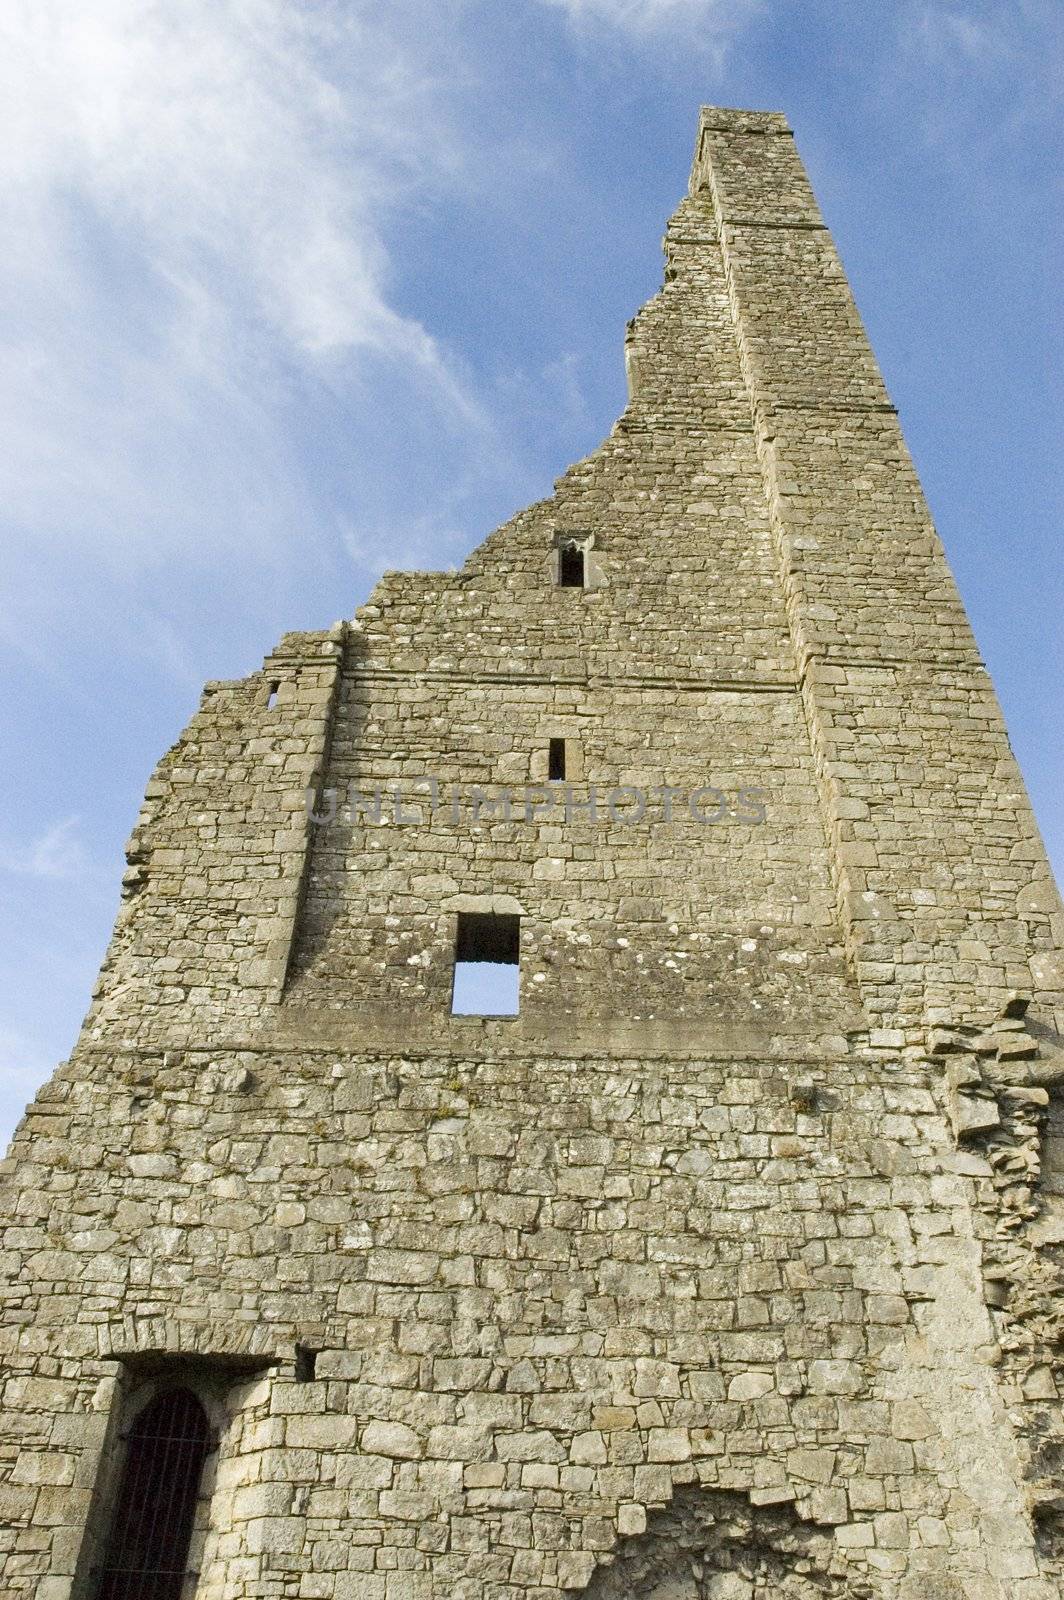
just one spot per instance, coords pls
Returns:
(545, 1294)
(217, 859)
(730, 1267)
(938, 860)
(624, 916)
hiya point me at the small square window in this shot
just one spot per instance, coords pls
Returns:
(487, 969)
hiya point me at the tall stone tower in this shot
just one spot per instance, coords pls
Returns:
(728, 1264)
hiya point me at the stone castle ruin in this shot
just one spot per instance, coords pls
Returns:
(574, 1101)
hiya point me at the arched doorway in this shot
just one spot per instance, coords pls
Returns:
(155, 1508)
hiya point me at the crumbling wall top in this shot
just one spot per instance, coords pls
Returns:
(723, 119)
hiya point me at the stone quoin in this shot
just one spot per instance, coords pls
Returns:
(725, 1262)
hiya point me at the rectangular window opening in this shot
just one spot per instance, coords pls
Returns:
(556, 760)
(306, 1363)
(487, 970)
(571, 566)
(272, 699)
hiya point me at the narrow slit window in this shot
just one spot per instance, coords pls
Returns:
(155, 1512)
(487, 969)
(272, 697)
(571, 566)
(306, 1363)
(556, 760)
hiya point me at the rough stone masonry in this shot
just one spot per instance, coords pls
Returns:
(731, 1265)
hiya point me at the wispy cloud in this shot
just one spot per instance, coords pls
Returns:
(193, 200)
(221, 132)
(1013, 50)
(951, 31)
(58, 852)
(563, 378)
(989, 35)
(415, 543)
(647, 17)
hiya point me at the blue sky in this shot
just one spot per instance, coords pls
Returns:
(294, 292)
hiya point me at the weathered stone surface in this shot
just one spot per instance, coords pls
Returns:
(676, 1283)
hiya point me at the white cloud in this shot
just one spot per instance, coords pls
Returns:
(957, 60)
(992, 36)
(194, 201)
(56, 853)
(217, 131)
(949, 31)
(644, 17)
(563, 379)
(422, 542)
